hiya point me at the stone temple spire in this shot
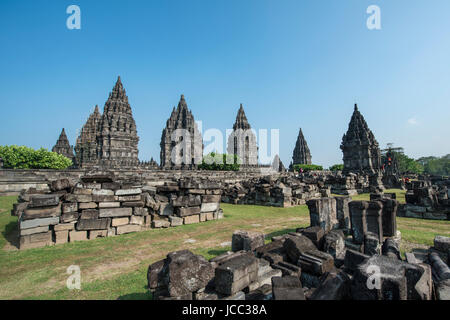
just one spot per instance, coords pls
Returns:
(242, 141)
(301, 155)
(109, 140)
(359, 146)
(63, 146)
(188, 141)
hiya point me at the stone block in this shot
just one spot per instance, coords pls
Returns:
(25, 232)
(358, 213)
(129, 198)
(288, 269)
(43, 200)
(374, 220)
(188, 211)
(103, 198)
(202, 216)
(315, 234)
(64, 226)
(353, 259)
(159, 223)
(137, 220)
(236, 274)
(61, 236)
(343, 212)
(295, 246)
(175, 221)
(323, 213)
(94, 234)
(60, 184)
(79, 197)
(69, 207)
(128, 229)
(41, 212)
(246, 240)
(372, 245)
(89, 214)
(207, 207)
(109, 205)
(77, 235)
(120, 221)
(38, 223)
(36, 240)
(334, 244)
(102, 192)
(287, 288)
(133, 204)
(93, 224)
(389, 217)
(165, 209)
(69, 217)
(442, 243)
(140, 211)
(209, 216)
(191, 219)
(211, 199)
(315, 262)
(115, 212)
(336, 286)
(128, 192)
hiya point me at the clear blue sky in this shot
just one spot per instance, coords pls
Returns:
(292, 64)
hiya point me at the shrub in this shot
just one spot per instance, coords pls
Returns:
(307, 167)
(337, 167)
(220, 162)
(15, 157)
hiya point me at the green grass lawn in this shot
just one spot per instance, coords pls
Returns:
(116, 267)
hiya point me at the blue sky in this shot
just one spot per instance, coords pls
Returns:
(291, 63)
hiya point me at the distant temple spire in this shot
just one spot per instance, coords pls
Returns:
(63, 146)
(301, 154)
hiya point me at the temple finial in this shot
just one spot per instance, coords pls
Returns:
(356, 107)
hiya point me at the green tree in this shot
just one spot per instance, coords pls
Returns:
(337, 167)
(307, 167)
(22, 157)
(220, 162)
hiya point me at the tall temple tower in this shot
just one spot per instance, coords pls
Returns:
(301, 154)
(63, 146)
(360, 148)
(181, 141)
(110, 140)
(86, 146)
(242, 141)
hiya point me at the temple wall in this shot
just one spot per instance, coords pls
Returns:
(14, 181)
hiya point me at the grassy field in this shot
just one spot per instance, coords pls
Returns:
(115, 268)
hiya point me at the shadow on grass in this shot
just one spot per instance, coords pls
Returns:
(11, 234)
(216, 252)
(269, 236)
(136, 296)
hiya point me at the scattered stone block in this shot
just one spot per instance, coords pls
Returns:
(128, 192)
(25, 232)
(175, 221)
(89, 214)
(287, 288)
(94, 234)
(43, 200)
(61, 236)
(41, 212)
(442, 243)
(315, 262)
(236, 274)
(207, 207)
(246, 240)
(323, 213)
(140, 211)
(188, 211)
(87, 205)
(120, 221)
(334, 244)
(36, 240)
(69, 217)
(69, 207)
(372, 244)
(137, 220)
(336, 286)
(295, 246)
(64, 226)
(93, 224)
(315, 234)
(109, 205)
(115, 212)
(127, 229)
(165, 209)
(38, 223)
(159, 223)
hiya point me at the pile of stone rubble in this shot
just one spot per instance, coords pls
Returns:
(427, 201)
(97, 206)
(350, 251)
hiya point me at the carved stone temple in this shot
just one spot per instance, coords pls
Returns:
(301, 154)
(181, 141)
(361, 150)
(63, 146)
(242, 141)
(110, 139)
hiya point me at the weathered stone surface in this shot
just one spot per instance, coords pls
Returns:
(78, 197)
(294, 247)
(129, 198)
(77, 235)
(441, 271)
(287, 288)
(69, 207)
(315, 262)
(207, 207)
(211, 199)
(165, 209)
(288, 269)
(94, 234)
(323, 213)
(160, 223)
(120, 221)
(184, 272)
(140, 211)
(137, 220)
(391, 249)
(38, 222)
(69, 217)
(442, 243)
(372, 244)
(61, 236)
(191, 219)
(128, 192)
(334, 244)
(389, 216)
(236, 274)
(315, 234)
(443, 290)
(89, 214)
(358, 213)
(41, 212)
(188, 211)
(336, 286)
(115, 212)
(93, 224)
(154, 275)
(175, 221)
(343, 212)
(61, 184)
(64, 226)
(353, 259)
(25, 232)
(44, 200)
(246, 240)
(36, 240)
(127, 229)
(109, 205)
